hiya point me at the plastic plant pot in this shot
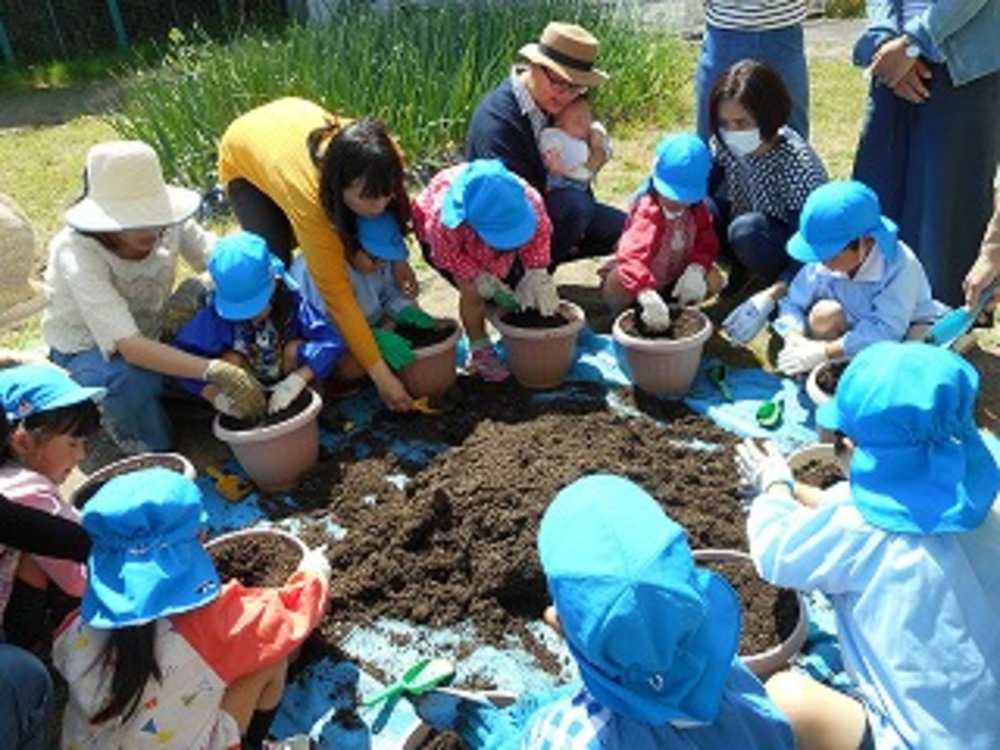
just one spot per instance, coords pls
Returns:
(421, 732)
(433, 370)
(662, 367)
(173, 461)
(295, 547)
(541, 358)
(818, 396)
(274, 456)
(764, 663)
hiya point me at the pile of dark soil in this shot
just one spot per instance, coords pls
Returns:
(829, 374)
(685, 322)
(457, 541)
(821, 474)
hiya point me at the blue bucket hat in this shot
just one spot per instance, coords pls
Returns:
(244, 271)
(654, 635)
(836, 214)
(33, 389)
(146, 561)
(380, 237)
(493, 202)
(920, 465)
(681, 169)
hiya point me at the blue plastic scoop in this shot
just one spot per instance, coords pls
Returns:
(950, 327)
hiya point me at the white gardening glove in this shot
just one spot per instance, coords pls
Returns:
(225, 405)
(691, 286)
(316, 562)
(655, 313)
(759, 468)
(285, 392)
(747, 320)
(800, 355)
(491, 288)
(537, 289)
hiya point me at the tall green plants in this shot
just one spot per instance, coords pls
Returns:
(421, 70)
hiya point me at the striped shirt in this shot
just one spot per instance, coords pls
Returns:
(759, 15)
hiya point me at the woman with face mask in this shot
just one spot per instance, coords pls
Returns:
(762, 173)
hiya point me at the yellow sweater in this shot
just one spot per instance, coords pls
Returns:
(267, 147)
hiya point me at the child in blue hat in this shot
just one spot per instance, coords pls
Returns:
(162, 652)
(654, 636)
(859, 283)
(668, 247)
(906, 551)
(259, 321)
(474, 221)
(50, 418)
(370, 264)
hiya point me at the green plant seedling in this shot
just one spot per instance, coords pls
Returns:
(770, 414)
(425, 675)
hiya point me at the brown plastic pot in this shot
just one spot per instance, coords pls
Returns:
(433, 369)
(765, 663)
(276, 455)
(662, 367)
(542, 357)
(173, 461)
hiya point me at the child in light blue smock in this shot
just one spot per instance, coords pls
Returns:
(859, 284)
(654, 636)
(906, 551)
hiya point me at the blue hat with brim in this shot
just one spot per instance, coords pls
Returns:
(243, 271)
(920, 465)
(36, 388)
(654, 635)
(680, 172)
(493, 202)
(146, 561)
(381, 238)
(836, 214)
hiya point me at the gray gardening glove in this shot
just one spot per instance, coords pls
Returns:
(240, 386)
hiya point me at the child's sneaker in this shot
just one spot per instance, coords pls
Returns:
(484, 363)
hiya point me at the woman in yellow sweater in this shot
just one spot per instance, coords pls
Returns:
(300, 176)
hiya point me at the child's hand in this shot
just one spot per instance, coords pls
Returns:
(285, 392)
(537, 289)
(759, 468)
(655, 313)
(554, 162)
(316, 562)
(691, 287)
(224, 405)
(491, 288)
(800, 355)
(405, 278)
(414, 316)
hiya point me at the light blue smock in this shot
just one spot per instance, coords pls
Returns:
(917, 615)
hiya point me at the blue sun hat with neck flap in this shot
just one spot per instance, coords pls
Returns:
(146, 561)
(31, 389)
(492, 200)
(920, 465)
(836, 214)
(243, 271)
(381, 238)
(680, 172)
(654, 636)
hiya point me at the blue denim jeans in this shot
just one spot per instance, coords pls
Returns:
(783, 49)
(754, 241)
(131, 411)
(581, 227)
(25, 700)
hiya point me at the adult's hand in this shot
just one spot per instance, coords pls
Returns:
(405, 278)
(390, 388)
(241, 387)
(911, 86)
(891, 63)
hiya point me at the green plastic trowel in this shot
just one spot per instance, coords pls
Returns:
(425, 675)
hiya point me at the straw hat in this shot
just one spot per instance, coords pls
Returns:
(21, 296)
(570, 51)
(125, 190)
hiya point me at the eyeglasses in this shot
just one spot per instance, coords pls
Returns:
(561, 85)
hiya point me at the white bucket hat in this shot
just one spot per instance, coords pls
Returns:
(125, 190)
(21, 296)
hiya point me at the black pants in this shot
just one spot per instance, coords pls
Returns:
(258, 213)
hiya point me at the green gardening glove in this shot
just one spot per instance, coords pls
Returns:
(505, 300)
(414, 316)
(394, 348)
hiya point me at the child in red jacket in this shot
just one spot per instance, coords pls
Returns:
(668, 246)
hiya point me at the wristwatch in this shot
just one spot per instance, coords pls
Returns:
(912, 50)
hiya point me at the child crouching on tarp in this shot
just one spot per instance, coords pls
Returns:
(161, 650)
(907, 554)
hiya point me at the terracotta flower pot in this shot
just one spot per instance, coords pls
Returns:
(433, 371)
(265, 557)
(173, 461)
(275, 456)
(764, 663)
(421, 733)
(541, 357)
(662, 367)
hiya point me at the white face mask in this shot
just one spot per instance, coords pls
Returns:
(741, 142)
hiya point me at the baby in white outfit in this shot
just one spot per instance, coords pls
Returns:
(565, 146)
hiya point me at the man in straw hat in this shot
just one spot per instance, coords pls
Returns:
(508, 122)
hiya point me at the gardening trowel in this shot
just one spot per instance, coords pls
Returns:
(425, 675)
(953, 325)
(231, 486)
